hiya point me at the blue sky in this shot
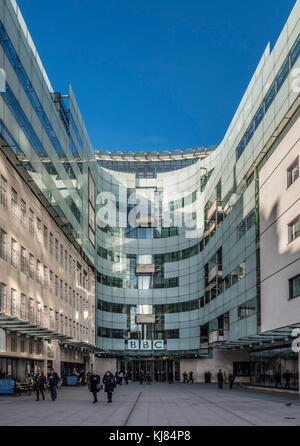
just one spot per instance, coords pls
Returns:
(156, 74)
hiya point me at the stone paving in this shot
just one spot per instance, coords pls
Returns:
(160, 404)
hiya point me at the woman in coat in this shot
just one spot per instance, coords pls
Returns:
(109, 385)
(94, 381)
(39, 384)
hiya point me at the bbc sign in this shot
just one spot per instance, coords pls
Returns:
(145, 345)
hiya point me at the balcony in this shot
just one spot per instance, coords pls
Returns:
(218, 336)
(210, 230)
(213, 209)
(214, 272)
(145, 268)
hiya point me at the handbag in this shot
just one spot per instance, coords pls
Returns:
(99, 387)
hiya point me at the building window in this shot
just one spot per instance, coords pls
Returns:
(56, 286)
(13, 344)
(294, 229)
(39, 228)
(61, 289)
(23, 307)
(3, 252)
(23, 260)
(31, 221)
(293, 172)
(38, 313)
(22, 346)
(13, 301)
(39, 348)
(45, 277)
(51, 243)
(38, 272)
(23, 212)
(3, 188)
(31, 311)
(30, 349)
(61, 255)
(51, 276)
(31, 272)
(13, 253)
(294, 287)
(2, 298)
(13, 202)
(247, 309)
(56, 249)
(45, 237)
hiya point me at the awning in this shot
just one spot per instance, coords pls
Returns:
(19, 327)
(268, 337)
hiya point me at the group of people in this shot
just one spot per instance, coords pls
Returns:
(109, 384)
(188, 378)
(221, 378)
(40, 383)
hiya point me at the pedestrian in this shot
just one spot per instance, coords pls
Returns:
(109, 385)
(121, 374)
(94, 382)
(220, 379)
(88, 378)
(117, 378)
(277, 378)
(53, 380)
(185, 377)
(148, 378)
(170, 377)
(191, 378)
(126, 376)
(39, 384)
(208, 377)
(141, 376)
(205, 377)
(231, 380)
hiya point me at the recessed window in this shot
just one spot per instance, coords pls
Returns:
(294, 287)
(293, 172)
(294, 229)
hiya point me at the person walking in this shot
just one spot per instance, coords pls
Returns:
(220, 379)
(39, 384)
(88, 378)
(148, 378)
(170, 377)
(231, 380)
(141, 376)
(208, 377)
(126, 376)
(185, 377)
(191, 378)
(53, 380)
(94, 381)
(277, 378)
(109, 385)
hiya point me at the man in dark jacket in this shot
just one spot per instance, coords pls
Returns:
(94, 381)
(220, 379)
(39, 384)
(126, 376)
(231, 380)
(109, 385)
(53, 379)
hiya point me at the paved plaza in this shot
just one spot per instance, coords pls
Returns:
(157, 405)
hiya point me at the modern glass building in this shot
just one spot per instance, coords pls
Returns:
(173, 238)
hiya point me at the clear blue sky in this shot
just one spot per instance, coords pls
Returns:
(154, 74)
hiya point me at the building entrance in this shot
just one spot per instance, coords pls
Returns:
(158, 368)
